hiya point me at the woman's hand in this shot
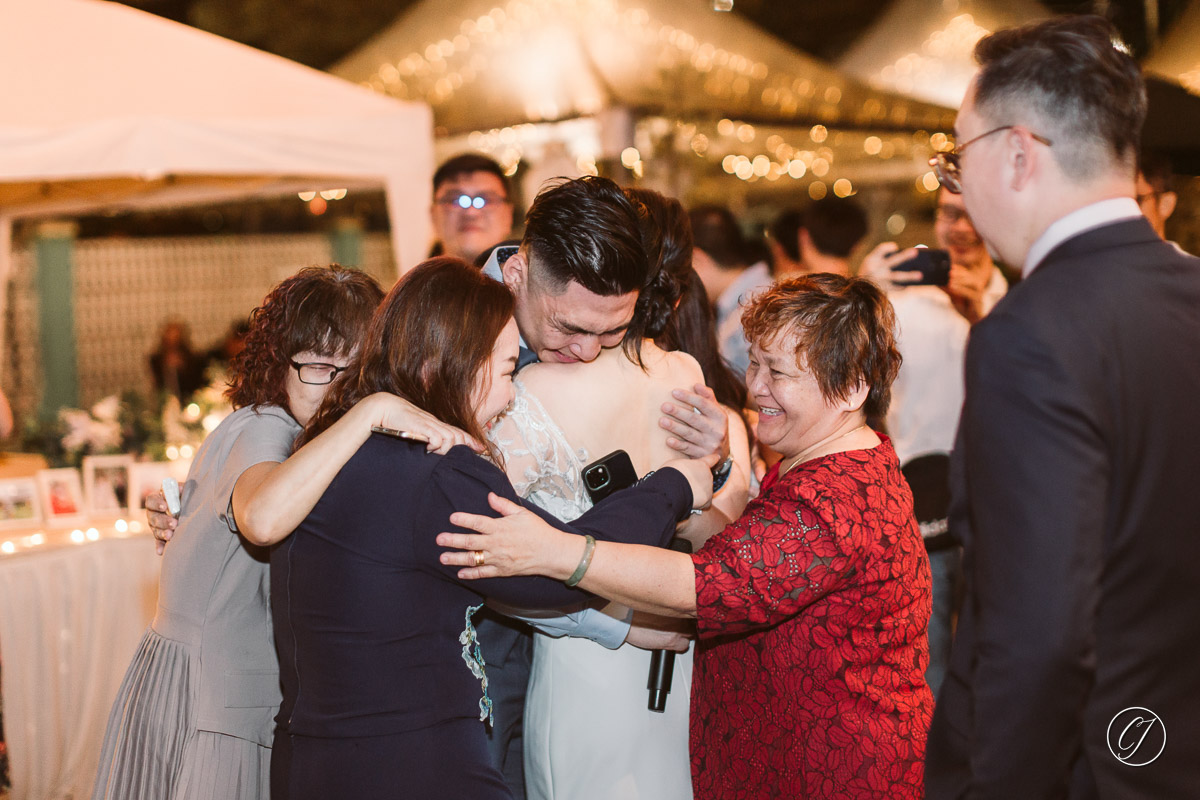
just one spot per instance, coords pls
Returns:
(698, 472)
(517, 543)
(162, 522)
(390, 411)
(698, 423)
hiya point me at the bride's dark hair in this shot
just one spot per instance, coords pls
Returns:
(427, 342)
(667, 237)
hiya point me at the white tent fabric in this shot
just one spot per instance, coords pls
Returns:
(1178, 57)
(923, 49)
(109, 107)
(484, 64)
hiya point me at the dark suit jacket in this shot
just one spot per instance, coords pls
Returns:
(1075, 476)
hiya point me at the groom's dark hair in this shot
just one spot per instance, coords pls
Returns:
(585, 230)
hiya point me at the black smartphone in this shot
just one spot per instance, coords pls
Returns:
(610, 474)
(934, 266)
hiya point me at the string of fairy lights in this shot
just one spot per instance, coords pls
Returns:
(673, 57)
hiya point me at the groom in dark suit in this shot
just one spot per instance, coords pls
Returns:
(1076, 671)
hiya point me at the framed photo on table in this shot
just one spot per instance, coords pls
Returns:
(145, 478)
(19, 504)
(61, 494)
(106, 484)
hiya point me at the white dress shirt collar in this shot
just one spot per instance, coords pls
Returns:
(1078, 221)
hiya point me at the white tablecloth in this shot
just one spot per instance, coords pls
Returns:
(71, 616)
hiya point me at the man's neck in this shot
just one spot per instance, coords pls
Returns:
(819, 262)
(1064, 199)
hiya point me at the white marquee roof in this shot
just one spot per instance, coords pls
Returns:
(109, 107)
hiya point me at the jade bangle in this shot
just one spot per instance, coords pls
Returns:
(588, 549)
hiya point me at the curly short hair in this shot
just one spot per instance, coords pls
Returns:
(319, 310)
(845, 334)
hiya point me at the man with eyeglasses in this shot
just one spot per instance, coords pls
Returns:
(1155, 196)
(471, 210)
(1077, 453)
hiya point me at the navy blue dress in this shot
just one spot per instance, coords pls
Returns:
(378, 698)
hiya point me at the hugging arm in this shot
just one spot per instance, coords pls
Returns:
(645, 514)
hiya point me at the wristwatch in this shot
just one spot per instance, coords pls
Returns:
(721, 472)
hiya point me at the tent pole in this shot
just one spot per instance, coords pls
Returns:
(55, 250)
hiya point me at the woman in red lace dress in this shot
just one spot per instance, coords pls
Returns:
(811, 608)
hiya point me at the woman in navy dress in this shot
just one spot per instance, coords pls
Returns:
(383, 684)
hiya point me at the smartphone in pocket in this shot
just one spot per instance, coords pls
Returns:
(610, 474)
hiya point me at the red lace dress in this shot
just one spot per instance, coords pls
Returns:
(813, 608)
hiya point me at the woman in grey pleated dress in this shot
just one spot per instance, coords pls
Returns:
(194, 717)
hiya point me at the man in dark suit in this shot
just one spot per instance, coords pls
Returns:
(1074, 673)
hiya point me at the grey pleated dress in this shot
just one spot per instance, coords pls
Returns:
(194, 717)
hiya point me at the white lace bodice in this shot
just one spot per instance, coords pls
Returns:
(539, 460)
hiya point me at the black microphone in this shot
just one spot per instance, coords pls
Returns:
(662, 662)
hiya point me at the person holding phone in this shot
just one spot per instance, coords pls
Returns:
(974, 284)
(933, 325)
(589, 733)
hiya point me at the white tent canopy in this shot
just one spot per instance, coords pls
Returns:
(924, 49)
(109, 107)
(484, 64)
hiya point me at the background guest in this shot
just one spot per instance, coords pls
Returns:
(933, 324)
(720, 259)
(1155, 190)
(176, 369)
(830, 229)
(471, 207)
(230, 345)
(783, 240)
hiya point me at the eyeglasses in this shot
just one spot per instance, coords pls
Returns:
(315, 373)
(951, 214)
(948, 169)
(465, 201)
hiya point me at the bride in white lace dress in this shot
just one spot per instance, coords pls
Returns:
(588, 732)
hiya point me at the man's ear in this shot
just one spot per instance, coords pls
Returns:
(515, 271)
(1022, 157)
(1166, 204)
